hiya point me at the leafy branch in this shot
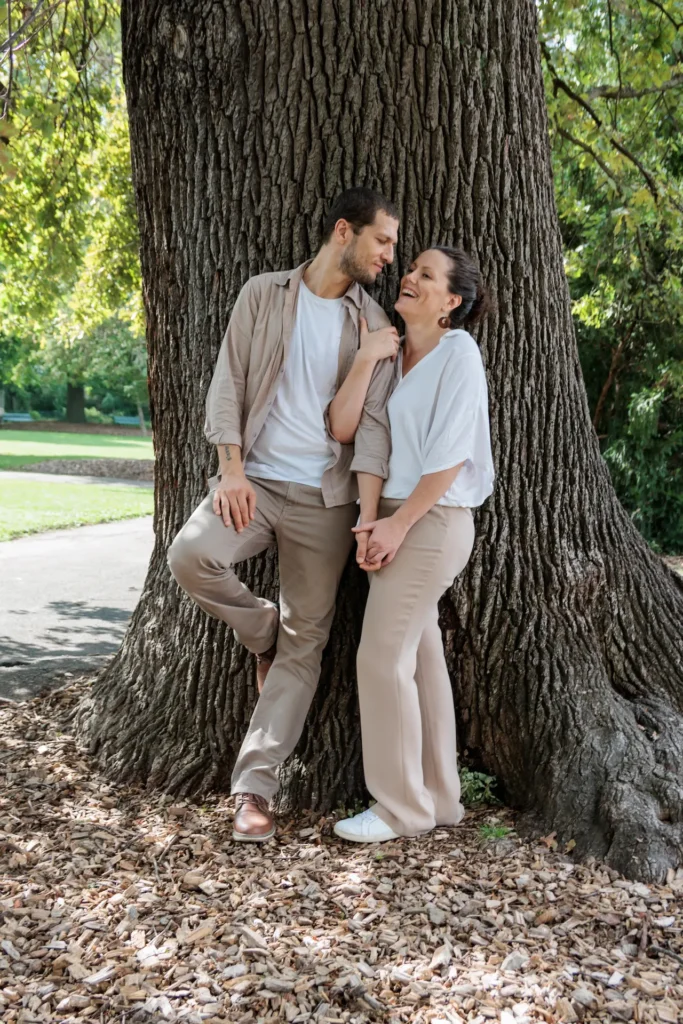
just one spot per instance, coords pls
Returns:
(559, 83)
(13, 38)
(660, 7)
(627, 92)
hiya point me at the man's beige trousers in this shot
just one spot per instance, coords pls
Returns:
(313, 546)
(406, 701)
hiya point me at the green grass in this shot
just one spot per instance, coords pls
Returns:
(494, 831)
(18, 461)
(28, 507)
(43, 444)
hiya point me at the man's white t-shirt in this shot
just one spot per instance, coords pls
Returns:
(439, 418)
(292, 444)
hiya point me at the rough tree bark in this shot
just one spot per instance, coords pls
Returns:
(564, 634)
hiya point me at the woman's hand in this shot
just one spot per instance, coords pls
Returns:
(346, 408)
(385, 537)
(378, 345)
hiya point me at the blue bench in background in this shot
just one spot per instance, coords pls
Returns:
(16, 417)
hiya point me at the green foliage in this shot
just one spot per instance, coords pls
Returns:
(93, 415)
(477, 788)
(492, 831)
(615, 88)
(343, 812)
(63, 80)
(14, 352)
(645, 462)
(69, 261)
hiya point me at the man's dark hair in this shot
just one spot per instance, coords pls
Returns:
(359, 206)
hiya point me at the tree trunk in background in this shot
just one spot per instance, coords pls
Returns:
(75, 403)
(141, 420)
(563, 635)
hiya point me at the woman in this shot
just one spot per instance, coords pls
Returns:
(421, 539)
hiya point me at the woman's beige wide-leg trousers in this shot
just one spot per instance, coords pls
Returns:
(406, 701)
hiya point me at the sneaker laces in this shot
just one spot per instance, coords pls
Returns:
(367, 816)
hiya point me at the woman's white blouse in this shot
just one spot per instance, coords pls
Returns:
(439, 417)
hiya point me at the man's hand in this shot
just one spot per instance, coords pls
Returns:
(235, 500)
(384, 538)
(378, 345)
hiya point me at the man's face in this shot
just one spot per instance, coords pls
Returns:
(365, 255)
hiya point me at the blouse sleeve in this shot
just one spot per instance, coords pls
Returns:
(460, 412)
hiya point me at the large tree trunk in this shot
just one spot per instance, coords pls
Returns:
(564, 633)
(75, 403)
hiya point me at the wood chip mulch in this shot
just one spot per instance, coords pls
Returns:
(121, 905)
(60, 427)
(119, 469)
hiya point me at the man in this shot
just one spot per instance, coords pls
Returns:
(283, 478)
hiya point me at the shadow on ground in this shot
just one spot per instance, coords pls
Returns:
(65, 602)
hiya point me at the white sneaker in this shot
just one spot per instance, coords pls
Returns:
(365, 827)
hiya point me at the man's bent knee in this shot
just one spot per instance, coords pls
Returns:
(184, 559)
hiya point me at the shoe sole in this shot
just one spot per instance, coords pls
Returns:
(363, 839)
(240, 837)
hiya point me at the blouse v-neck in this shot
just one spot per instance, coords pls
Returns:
(419, 362)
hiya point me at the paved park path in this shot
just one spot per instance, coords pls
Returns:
(65, 599)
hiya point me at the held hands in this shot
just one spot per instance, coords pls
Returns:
(235, 500)
(378, 542)
(378, 345)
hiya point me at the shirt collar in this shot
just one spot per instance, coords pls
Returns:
(293, 278)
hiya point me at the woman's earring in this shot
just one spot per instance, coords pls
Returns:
(444, 322)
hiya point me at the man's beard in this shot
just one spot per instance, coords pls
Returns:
(349, 265)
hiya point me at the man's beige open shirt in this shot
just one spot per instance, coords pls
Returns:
(251, 363)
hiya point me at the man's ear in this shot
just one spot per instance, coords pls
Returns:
(342, 230)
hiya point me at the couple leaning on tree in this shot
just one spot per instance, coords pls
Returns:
(315, 402)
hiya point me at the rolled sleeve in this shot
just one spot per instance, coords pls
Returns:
(372, 444)
(225, 398)
(216, 436)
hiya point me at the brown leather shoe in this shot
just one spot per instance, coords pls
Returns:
(253, 821)
(263, 663)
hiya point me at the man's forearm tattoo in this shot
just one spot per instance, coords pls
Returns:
(227, 452)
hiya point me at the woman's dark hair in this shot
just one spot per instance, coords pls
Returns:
(359, 206)
(465, 280)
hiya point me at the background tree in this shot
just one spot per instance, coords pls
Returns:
(564, 633)
(612, 144)
(68, 229)
(614, 83)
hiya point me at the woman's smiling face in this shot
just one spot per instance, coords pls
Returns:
(425, 294)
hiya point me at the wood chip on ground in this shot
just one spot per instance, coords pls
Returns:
(122, 905)
(118, 469)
